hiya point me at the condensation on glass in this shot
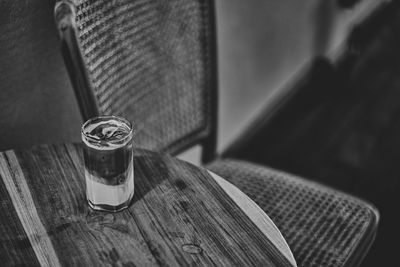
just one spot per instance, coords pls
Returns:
(109, 170)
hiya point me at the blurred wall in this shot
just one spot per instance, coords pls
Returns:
(262, 43)
(36, 99)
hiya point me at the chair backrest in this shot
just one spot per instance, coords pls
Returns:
(151, 61)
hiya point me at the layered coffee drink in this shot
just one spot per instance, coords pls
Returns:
(108, 159)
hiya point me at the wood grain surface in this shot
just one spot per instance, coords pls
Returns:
(180, 216)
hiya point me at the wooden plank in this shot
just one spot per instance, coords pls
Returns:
(19, 192)
(179, 215)
(15, 247)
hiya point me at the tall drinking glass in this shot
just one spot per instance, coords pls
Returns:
(109, 174)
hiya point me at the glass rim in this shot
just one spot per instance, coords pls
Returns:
(121, 141)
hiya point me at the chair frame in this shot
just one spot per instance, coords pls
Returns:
(65, 15)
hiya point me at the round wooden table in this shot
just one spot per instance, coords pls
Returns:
(181, 215)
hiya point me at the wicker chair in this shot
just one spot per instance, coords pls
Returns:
(154, 62)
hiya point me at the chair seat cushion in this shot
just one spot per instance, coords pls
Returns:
(322, 226)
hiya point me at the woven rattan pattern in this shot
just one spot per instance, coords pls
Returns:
(321, 226)
(149, 61)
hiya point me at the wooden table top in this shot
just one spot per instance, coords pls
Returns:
(181, 215)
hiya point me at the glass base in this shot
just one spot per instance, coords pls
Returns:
(109, 208)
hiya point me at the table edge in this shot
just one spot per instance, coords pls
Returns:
(253, 211)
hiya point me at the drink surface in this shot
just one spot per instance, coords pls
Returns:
(108, 162)
(107, 134)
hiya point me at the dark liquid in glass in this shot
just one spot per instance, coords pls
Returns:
(108, 163)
